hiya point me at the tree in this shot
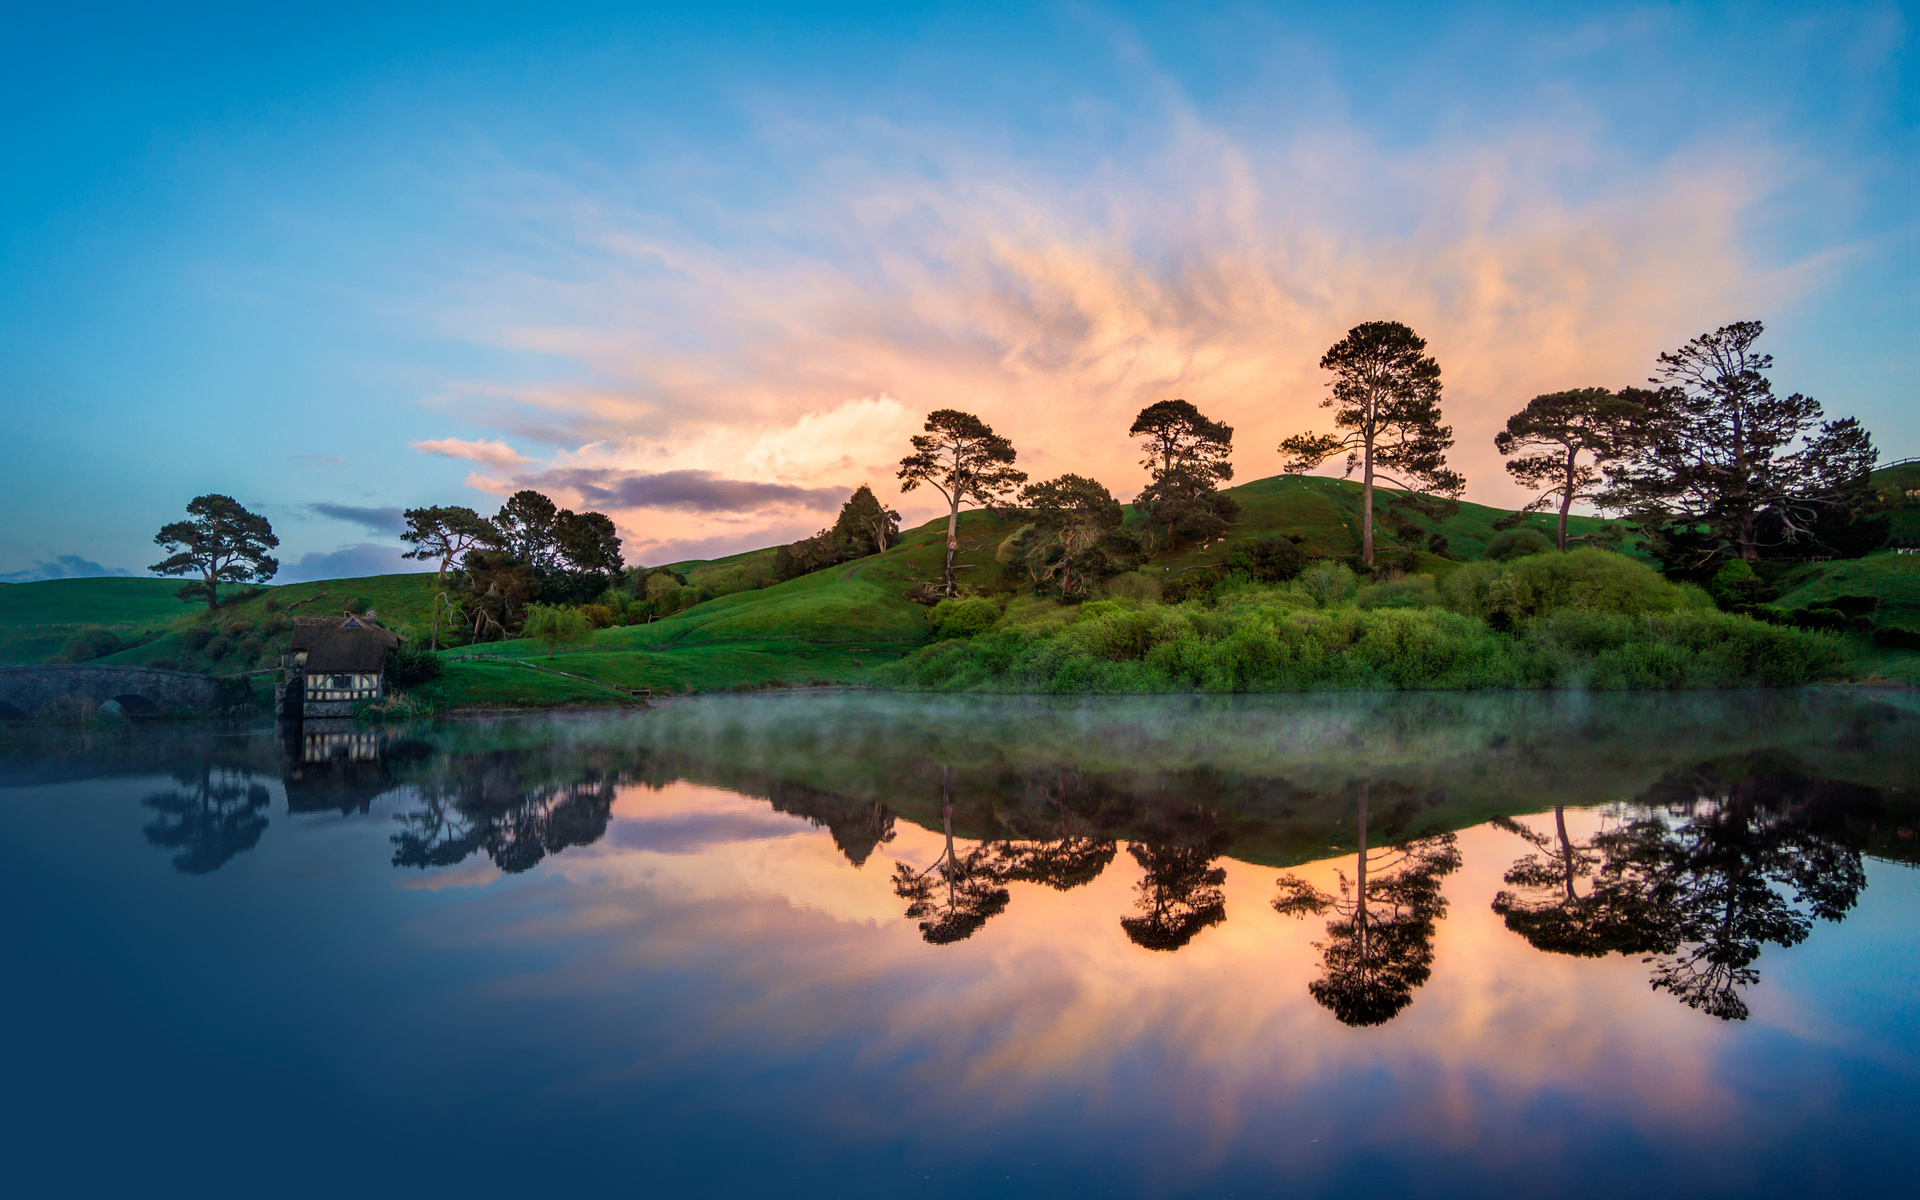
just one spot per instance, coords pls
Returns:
(495, 589)
(553, 626)
(963, 459)
(866, 526)
(1552, 433)
(1386, 395)
(1187, 456)
(1725, 467)
(445, 533)
(1379, 947)
(589, 545)
(967, 892)
(1614, 914)
(1078, 520)
(222, 543)
(528, 527)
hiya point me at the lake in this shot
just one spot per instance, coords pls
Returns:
(863, 945)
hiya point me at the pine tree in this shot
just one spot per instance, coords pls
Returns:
(962, 458)
(1552, 433)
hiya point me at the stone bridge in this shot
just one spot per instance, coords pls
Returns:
(140, 691)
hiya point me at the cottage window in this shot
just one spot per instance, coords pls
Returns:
(342, 683)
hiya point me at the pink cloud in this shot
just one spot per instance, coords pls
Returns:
(496, 453)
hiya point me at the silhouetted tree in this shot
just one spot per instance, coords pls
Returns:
(589, 549)
(528, 525)
(484, 803)
(1552, 433)
(1723, 466)
(959, 893)
(1386, 395)
(446, 533)
(221, 542)
(1180, 893)
(1188, 457)
(962, 458)
(218, 814)
(1379, 947)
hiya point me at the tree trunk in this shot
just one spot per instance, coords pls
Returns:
(953, 538)
(213, 590)
(1566, 498)
(1566, 847)
(1366, 507)
(1360, 910)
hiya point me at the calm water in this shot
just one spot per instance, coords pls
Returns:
(816, 945)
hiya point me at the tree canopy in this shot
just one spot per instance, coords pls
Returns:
(221, 542)
(1076, 522)
(1545, 441)
(1386, 396)
(1188, 456)
(445, 533)
(962, 458)
(1721, 466)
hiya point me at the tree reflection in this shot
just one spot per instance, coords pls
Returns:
(1724, 861)
(1075, 843)
(489, 807)
(1563, 907)
(213, 816)
(959, 893)
(1379, 947)
(1179, 895)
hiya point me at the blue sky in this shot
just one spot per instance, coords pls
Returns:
(706, 272)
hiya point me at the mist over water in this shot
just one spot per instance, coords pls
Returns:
(861, 944)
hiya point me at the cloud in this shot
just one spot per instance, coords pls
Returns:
(352, 562)
(686, 491)
(496, 453)
(64, 566)
(374, 520)
(799, 343)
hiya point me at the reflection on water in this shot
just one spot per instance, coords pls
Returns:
(1379, 947)
(847, 906)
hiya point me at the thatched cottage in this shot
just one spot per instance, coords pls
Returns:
(332, 664)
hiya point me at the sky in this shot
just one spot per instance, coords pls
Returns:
(708, 269)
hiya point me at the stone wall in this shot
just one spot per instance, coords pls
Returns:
(27, 688)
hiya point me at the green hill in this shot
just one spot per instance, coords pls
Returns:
(833, 626)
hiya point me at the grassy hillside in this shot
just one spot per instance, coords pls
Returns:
(834, 626)
(91, 602)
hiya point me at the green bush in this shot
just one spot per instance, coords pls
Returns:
(553, 626)
(1328, 583)
(1191, 585)
(1516, 543)
(1414, 591)
(1506, 594)
(90, 643)
(1268, 560)
(963, 616)
(1735, 587)
(196, 639)
(1895, 637)
(411, 665)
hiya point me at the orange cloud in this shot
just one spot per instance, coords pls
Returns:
(1057, 308)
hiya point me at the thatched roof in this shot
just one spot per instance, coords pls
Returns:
(343, 644)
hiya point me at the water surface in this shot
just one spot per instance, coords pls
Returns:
(874, 946)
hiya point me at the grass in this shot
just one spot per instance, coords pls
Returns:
(1895, 578)
(71, 602)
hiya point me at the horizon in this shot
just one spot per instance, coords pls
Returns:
(708, 273)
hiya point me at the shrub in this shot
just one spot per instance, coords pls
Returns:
(411, 665)
(1269, 560)
(217, 648)
(598, 615)
(964, 616)
(1327, 583)
(1895, 637)
(1516, 543)
(196, 639)
(236, 629)
(91, 643)
(1588, 578)
(1414, 591)
(1132, 585)
(1191, 585)
(553, 626)
(1735, 587)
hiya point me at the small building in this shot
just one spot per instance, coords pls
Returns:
(334, 663)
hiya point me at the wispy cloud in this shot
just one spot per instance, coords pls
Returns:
(374, 520)
(684, 491)
(1214, 266)
(63, 566)
(351, 562)
(496, 453)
